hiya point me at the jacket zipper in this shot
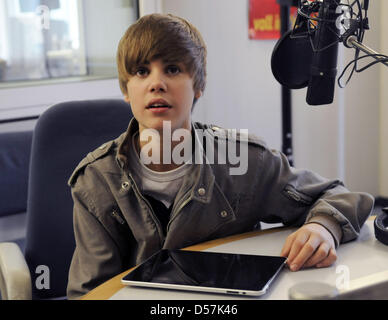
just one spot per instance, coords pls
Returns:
(297, 197)
(294, 195)
(181, 206)
(117, 217)
(156, 220)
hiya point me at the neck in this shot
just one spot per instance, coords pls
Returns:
(161, 150)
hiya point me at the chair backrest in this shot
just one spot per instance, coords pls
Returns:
(63, 136)
(15, 148)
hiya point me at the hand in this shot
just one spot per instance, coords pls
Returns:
(311, 245)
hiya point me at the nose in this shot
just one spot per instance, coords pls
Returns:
(157, 82)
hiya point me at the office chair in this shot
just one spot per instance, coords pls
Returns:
(63, 136)
(15, 150)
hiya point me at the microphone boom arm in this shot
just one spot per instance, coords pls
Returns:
(352, 42)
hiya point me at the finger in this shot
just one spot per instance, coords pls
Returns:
(320, 254)
(331, 258)
(287, 245)
(297, 245)
(305, 253)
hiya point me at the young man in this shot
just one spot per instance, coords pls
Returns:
(126, 209)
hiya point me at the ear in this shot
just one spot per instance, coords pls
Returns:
(198, 94)
(126, 98)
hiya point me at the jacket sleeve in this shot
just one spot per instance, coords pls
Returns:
(96, 257)
(295, 196)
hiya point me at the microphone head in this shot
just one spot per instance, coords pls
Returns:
(291, 60)
(324, 64)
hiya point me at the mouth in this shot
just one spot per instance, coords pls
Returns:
(158, 104)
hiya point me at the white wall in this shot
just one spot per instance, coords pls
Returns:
(32, 100)
(342, 139)
(362, 104)
(337, 140)
(384, 104)
(241, 91)
(317, 134)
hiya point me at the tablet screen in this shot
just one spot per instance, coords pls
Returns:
(207, 269)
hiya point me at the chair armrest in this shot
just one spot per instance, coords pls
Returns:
(15, 278)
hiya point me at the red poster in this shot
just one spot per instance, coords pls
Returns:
(264, 19)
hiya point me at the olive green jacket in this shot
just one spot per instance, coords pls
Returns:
(115, 227)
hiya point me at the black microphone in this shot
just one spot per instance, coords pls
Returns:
(307, 55)
(324, 61)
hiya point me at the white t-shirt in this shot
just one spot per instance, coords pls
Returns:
(162, 186)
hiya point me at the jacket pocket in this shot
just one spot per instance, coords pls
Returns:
(299, 197)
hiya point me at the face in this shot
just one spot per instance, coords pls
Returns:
(160, 91)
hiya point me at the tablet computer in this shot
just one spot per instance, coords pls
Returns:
(207, 271)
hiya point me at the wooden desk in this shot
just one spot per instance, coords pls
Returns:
(361, 257)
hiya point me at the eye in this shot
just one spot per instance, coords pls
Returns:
(141, 71)
(173, 69)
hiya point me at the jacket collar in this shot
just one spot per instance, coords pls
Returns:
(200, 180)
(205, 176)
(124, 143)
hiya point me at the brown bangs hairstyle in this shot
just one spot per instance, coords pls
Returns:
(166, 37)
